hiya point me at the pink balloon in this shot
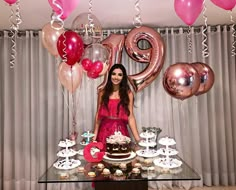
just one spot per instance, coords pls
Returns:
(188, 10)
(97, 66)
(92, 74)
(181, 80)
(207, 77)
(70, 76)
(225, 4)
(50, 35)
(70, 47)
(67, 7)
(87, 64)
(10, 2)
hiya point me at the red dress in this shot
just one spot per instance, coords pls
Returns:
(111, 122)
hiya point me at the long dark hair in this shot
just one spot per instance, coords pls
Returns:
(123, 90)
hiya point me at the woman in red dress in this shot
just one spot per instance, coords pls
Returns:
(115, 107)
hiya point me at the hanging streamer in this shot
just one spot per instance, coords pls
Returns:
(189, 40)
(205, 52)
(57, 17)
(137, 21)
(233, 50)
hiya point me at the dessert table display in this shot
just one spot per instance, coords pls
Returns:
(124, 165)
(66, 153)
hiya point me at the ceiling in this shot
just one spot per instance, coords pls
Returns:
(111, 14)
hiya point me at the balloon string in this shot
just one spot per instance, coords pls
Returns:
(233, 52)
(205, 52)
(64, 56)
(73, 104)
(90, 28)
(56, 18)
(137, 20)
(189, 40)
(14, 27)
(18, 15)
(13, 48)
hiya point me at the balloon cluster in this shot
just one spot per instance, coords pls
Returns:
(189, 10)
(95, 60)
(183, 80)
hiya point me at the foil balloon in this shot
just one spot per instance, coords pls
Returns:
(115, 44)
(88, 27)
(63, 7)
(70, 76)
(225, 4)
(50, 35)
(95, 60)
(181, 80)
(207, 77)
(70, 47)
(154, 56)
(188, 10)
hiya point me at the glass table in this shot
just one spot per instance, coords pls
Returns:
(129, 179)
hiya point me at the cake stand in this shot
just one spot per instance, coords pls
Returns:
(66, 163)
(87, 138)
(148, 140)
(166, 161)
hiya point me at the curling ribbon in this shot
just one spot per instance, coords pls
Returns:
(205, 52)
(137, 21)
(57, 17)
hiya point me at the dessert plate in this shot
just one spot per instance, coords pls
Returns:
(66, 164)
(147, 153)
(167, 163)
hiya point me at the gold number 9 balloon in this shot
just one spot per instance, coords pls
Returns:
(154, 56)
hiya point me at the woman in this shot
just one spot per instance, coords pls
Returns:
(115, 107)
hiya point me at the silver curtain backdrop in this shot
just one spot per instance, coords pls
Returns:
(35, 110)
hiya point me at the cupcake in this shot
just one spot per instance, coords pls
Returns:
(81, 169)
(106, 172)
(136, 170)
(91, 174)
(118, 172)
(123, 166)
(137, 165)
(100, 166)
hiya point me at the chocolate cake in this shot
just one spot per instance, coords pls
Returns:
(118, 146)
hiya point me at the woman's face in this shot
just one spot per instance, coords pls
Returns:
(116, 76)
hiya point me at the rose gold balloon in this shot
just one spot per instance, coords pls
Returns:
(50, 35)
(181, 80)
(70, 76)
(207, 77)
(115, 44)
(154, 56)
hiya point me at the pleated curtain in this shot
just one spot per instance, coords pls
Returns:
(36, 111)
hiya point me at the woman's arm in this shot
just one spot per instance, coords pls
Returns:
(131, 119)
(97, 121)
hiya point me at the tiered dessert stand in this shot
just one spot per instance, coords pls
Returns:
(66, 162)
(148, 140)
(166, 160)
(86, 138)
